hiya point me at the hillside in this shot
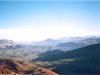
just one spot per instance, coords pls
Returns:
(80, 61)
(14, 67)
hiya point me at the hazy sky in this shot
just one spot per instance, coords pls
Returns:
(33, 21)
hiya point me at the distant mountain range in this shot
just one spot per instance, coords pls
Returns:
(5, 43)
(64, 40)
(66, 43)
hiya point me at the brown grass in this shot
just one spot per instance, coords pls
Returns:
(13, 67)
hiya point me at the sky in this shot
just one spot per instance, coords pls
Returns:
(40, 20)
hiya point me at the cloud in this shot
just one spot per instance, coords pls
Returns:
(37, 34)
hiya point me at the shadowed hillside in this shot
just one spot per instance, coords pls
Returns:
(82, 61)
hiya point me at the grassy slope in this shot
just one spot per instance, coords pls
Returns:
(14, 67)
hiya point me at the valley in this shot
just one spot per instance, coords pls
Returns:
(75, 56)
